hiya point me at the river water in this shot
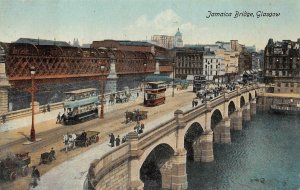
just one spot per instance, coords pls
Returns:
(265, 155)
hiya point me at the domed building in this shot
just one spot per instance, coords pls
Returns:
(178, 39)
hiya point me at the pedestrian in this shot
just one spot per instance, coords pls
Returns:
(142, 126)
(124, 139)
(137, 94)
(48, 107)
(35, 176)
(193, 103)
(112, 140)
(196, 103)
(66, 142)
(137, 127)
(52, 154)
(118, 141)
(3, 118)
(62, 118)
(58, 118)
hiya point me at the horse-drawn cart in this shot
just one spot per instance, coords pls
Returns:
(14, 166)
(135, 115)
(88, 139)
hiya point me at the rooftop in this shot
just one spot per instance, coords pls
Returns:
(41, 42)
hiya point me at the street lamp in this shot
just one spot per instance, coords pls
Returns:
(208, 64)
(102, 68)
(32, 131)
(144, 82)
(173, 85)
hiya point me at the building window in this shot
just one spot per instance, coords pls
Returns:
(292, 84)
(287, 84)
(292, 90)
(278, 84)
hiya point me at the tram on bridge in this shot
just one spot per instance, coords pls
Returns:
(155, 93)
(80, 105)
(199, 83)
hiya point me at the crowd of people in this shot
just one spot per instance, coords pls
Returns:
(116, 141)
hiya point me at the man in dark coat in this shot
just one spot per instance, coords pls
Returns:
(118, 141)
(35, 176)
(112, 140)
(58, 118)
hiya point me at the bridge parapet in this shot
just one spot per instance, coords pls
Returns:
(114, 163)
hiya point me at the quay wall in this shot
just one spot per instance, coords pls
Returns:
(264, 101)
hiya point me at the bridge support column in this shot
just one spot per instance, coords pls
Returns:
(236, 120)
(179, 177)
(203, 148)
(4, 85)
(36, 106)
(246, 113)
(225, 131)
(253, 107)
(134, 173)
(3, 100)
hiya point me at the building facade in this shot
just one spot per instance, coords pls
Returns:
(163, 41)
(282, 65)
(213, 67)
(189, 61)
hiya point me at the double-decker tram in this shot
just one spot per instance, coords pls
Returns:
(154, 93)
(199, 82)
(79, 105)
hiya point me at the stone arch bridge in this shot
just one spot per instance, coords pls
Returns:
(160, 154)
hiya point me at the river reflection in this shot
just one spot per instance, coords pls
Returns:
(265, 155)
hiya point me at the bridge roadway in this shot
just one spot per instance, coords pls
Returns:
(113, 122)
(160, 153)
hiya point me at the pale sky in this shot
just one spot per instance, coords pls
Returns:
(91, 20)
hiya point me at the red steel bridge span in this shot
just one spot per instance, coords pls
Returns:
(57, 65)
(54, 63)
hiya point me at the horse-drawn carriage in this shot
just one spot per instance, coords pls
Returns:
(87, 139)
(135, 115)
(14, 166)
(46, 158)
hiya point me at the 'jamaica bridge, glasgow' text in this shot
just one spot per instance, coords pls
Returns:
(238, 14)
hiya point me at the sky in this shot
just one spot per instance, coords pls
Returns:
(94, 20)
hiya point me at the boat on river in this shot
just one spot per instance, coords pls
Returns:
(286, 108)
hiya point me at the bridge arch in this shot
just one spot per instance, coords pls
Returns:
(231, 107)
(250, 97)
(152, 169)
(191, 135)
(242, 101)
(216, 118)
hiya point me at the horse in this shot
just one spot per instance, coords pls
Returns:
(69, 140)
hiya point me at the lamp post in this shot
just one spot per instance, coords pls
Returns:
(208, 64)
(218, 74)
(144, 82)
(32, 131)
(173, 85)
(102, 68)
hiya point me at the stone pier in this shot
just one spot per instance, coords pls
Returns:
(253, 107)
(222, 132)
(4, 84)
(134, 174)
(203, 148)
(179, 176)
(236, 120)
(246, 112)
